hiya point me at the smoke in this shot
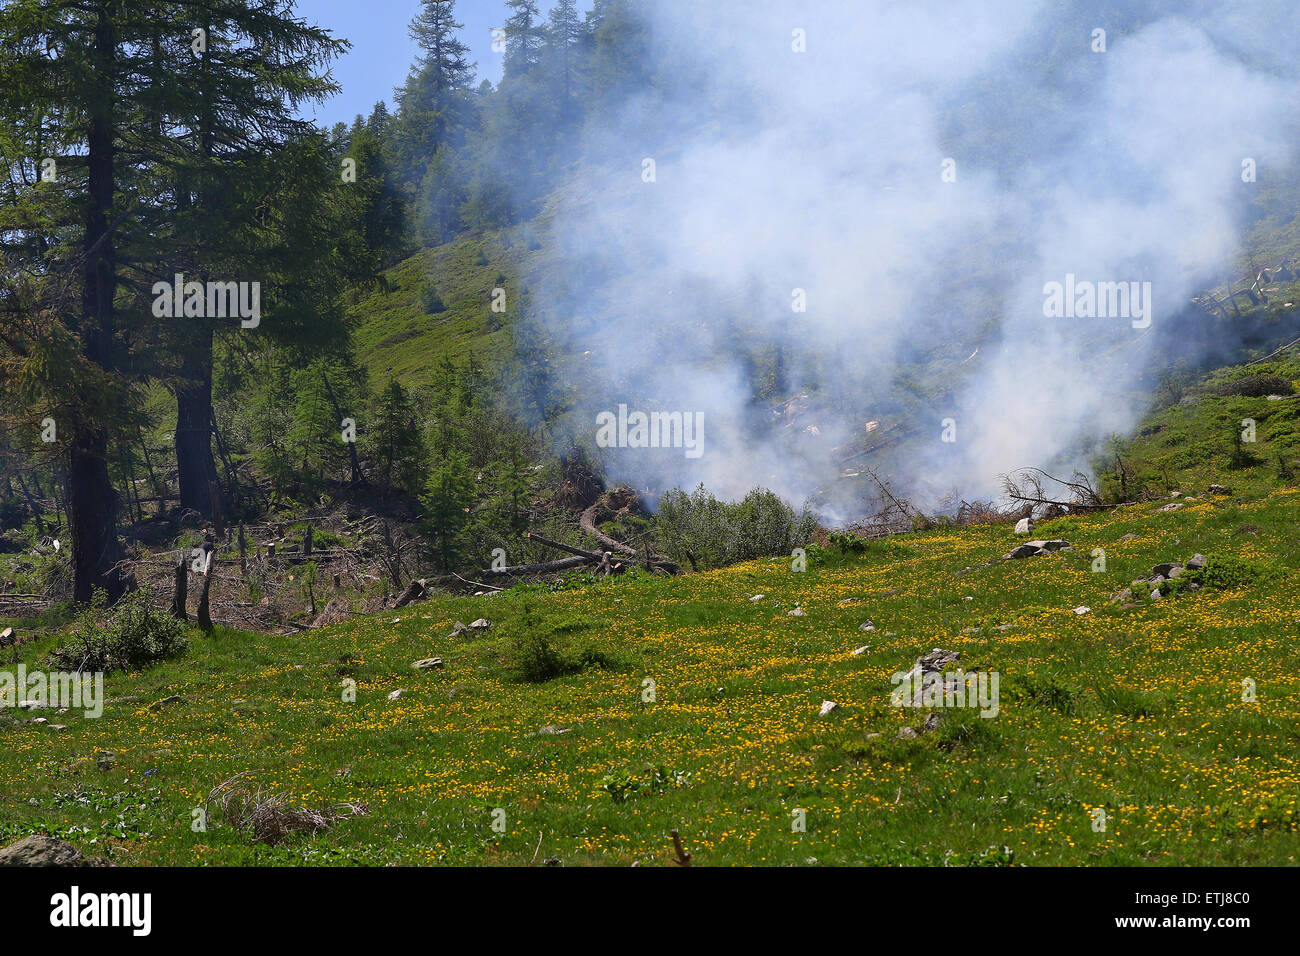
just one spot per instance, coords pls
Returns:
(780, 176)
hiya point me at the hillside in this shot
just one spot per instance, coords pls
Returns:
(1134, 707)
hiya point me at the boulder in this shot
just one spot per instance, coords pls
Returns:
(1056, 544)
(40, 850)
(1024, 551)
(1024, 526)
(1162, 570)
(1197, 562)
(1031, 548)
(827, 707)
(1217, 490)
(428, 664)
(396, 694)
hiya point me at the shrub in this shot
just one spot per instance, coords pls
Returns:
(430, 301)
(1228, 572)
(621, 784)
(708, 533)
(128, 637)
(536, 660)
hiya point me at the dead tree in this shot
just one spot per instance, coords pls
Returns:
(1027, 486)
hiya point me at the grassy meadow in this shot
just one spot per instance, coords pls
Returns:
(1135, 710)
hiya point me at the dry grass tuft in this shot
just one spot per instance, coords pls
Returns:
(266, 815)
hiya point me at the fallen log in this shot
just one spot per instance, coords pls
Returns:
(546, 567)
(561, 546)
(603, 558)
(588, 523)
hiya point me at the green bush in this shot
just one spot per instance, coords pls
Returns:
(1228, 572)
(699, 530)
(431, 301)
(128, 637)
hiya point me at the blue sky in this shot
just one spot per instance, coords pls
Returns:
(382, 53)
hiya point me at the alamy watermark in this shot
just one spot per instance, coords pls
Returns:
(936, 689)
(683, 430)
(1074, 299)
(74, 691)
(208, 300)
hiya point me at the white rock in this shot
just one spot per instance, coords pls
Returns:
(758, 597)
(797, 612)
(859, 651)
(396, 694)
(482, 624)
(1082, 610)
(1024, 526)
(827, 707)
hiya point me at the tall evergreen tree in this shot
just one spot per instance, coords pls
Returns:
(564, 35)
(524, 38)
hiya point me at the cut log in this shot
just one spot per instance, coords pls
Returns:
(561, 546)
(546, 567)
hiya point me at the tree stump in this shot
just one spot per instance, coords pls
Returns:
(204, 617)
(179, 594)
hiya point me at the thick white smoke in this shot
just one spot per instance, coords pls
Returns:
(777, 170)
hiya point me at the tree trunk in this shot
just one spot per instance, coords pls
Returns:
(92, 501)
(195, 467)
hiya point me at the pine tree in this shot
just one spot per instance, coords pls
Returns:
(447, 503)
(434, 105)
(524, 38)
(564, 35)
(445, 67)
(398, 445)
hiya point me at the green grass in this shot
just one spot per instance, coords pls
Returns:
(1188, 443)
(1136, 711)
